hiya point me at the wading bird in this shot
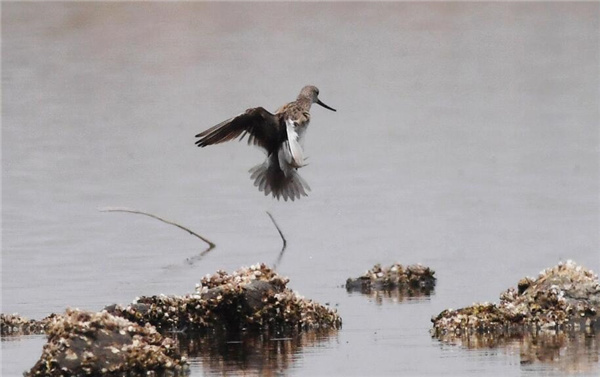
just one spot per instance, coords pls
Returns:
(280, 135)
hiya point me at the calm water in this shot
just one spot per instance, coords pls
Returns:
(466, 139)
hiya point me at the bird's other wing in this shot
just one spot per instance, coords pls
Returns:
(296, 154)
(258, 123)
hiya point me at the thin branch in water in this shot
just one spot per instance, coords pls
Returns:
(118, 209)
(282, 237)
(279, 230)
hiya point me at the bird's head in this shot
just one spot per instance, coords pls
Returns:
(311, 92)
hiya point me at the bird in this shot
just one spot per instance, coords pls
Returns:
(280, 135)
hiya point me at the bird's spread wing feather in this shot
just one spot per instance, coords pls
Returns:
(258, 123)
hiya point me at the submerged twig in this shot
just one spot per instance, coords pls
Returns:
(197, 258)
(116, 209)
(282, 237)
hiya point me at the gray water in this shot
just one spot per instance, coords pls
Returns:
(466, 139)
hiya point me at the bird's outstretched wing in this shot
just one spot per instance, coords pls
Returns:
(261, 126)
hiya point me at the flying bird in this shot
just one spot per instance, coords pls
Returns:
(281, 135)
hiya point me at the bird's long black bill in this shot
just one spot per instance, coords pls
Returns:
(325, 106)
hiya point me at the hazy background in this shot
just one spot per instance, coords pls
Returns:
(466, 138)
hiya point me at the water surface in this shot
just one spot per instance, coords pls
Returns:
(466, 139)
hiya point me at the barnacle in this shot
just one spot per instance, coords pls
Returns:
(86, 343)
(558, 299)
(396, 281)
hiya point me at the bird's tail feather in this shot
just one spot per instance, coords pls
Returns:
(270, 179)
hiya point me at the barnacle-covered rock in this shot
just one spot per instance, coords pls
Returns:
(85, 343)
(564, 297)
(410, 281)
(14, 324)
(250, 298)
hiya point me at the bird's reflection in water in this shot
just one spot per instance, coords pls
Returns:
(250, 353)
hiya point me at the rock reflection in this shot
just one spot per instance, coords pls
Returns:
(567, 352)
(249, 353)
(397, 295)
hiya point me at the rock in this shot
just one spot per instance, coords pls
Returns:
(254, 298)
(15, 325)
(565, 297)
(414, 280)
(86, 343)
